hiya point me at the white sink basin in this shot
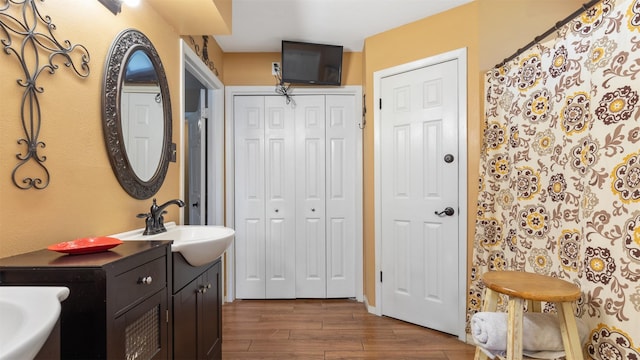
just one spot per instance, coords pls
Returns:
(28, 315)
(199, 244)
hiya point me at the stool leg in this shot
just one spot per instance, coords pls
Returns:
(514, 328)
(569, 329)
(490, 304)
(534, 306)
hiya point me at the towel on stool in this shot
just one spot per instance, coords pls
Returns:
(540, 332)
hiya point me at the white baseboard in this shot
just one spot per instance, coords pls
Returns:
(370, 309)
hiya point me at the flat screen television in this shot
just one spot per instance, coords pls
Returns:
(308, 63)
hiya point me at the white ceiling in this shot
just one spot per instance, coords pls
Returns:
(261, 25)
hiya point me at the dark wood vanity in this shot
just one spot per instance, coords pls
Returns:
(130, 302)
(197, 310)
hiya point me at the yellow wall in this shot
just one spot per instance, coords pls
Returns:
(84, 198)
(507, 25)
(243, 69)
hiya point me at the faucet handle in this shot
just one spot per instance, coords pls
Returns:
(143, 215)
(160, 220)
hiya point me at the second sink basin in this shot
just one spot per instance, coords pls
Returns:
(28, 314)
(199, 244)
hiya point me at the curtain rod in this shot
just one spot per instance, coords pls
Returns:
(555, 27)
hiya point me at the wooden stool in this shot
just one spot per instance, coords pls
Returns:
(522, 286)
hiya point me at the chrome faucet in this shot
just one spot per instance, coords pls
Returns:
(154, 219)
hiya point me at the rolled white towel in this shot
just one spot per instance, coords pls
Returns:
(540, 331)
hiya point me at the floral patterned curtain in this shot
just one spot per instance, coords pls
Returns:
(560, 172)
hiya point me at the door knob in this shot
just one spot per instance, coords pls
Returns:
(447, 211)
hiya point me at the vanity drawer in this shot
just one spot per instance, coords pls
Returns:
(139, 283)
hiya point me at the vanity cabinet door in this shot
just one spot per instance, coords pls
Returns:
(141, 333)
(185, 318)
(209, 315)
(197, 317)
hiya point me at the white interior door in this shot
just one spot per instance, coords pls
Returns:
(249, 197)
(196, 124)
(296, 190)
(143, 137)
(325, 196)
(340, 198)
(265, 197)
(280, 210)
(419, 178)
(311, 256)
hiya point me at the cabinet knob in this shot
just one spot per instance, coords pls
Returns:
(277, 210)
(146, 280)
(313, 209)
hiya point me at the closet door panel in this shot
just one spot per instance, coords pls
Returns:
(280, 198)
(340, 195)
(295, 196)
(310, 197)
(249, 197)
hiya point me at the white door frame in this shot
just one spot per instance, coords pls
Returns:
(232, 91)
(190, 61)
(215, 188)
(461, 56)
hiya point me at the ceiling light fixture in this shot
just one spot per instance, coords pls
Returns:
(112, 5)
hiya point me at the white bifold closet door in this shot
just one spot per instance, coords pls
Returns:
(325, 185)
(295, 196)
(265, 197)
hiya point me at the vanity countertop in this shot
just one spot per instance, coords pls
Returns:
(49, 258)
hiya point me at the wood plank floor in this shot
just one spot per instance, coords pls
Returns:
(327, 329)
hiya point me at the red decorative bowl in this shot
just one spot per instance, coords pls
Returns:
(86, 245)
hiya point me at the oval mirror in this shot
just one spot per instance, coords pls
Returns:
(136, 114)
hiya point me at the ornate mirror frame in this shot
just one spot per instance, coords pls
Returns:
(125, 44)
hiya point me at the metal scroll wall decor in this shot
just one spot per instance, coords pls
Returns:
(33, 36)
(204, 55)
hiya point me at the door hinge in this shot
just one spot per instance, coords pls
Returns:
(166, 312)
(380, 276)
(380, 103)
